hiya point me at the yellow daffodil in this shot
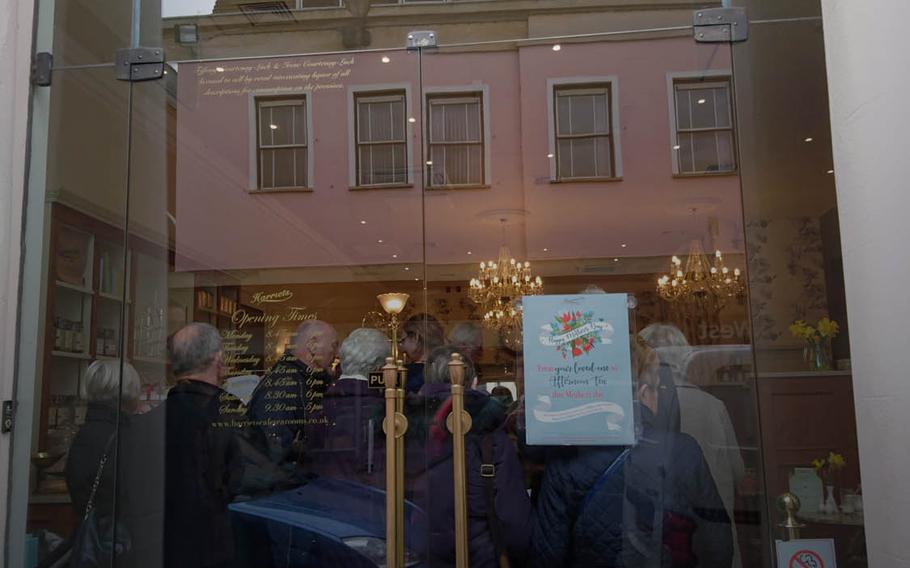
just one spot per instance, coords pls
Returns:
(836, 461)
(800, 329)
(818, 464)
(828, 327)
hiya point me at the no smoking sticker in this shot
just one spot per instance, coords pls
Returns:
(809, 553)
(806, 559)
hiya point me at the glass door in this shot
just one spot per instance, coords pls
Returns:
(550, 227)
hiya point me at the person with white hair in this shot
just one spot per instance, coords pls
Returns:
(353, 446)
(467, 337)
(111, 391)
(702, 416)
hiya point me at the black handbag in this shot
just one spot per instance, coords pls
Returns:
(98, 540)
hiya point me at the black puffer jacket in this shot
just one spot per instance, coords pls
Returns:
(645, 514)
(430, 478)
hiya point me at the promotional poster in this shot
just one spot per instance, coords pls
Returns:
(577, 364)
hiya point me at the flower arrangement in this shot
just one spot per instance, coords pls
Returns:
(570, 321)
(818, 340)
(826, 466)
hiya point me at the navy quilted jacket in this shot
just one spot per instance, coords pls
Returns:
(646, 514)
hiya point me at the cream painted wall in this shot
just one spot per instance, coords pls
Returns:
(15, 44)
(866, 51)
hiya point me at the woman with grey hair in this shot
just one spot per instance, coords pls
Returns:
(111, 390)
(352, 449)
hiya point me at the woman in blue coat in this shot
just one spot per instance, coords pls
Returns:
(641, 506)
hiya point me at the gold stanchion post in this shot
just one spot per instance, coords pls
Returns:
(459, 423)
(789, 504)
(390, 375)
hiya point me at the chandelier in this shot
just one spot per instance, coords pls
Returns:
(497, 290)
(700, 281)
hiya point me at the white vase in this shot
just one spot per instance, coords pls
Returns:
(830, 505)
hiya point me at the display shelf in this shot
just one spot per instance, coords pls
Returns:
(71, 355)
(149, 360)
(111, 297)
(73, 287)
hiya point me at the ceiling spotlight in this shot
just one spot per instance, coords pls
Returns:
(557, 47)
(808, 139)
(407, 268)
(623, 245)
(385, 59)
(363, 222)
(549, 155)
(615, 260)
(676, 147)
(546, 250)
(219, 69)
(273, 126)
(830, 171)
(412, 120)
(379, 241)
(429, 162)
(394, 256)
(417, 279)
(702, 101)
(469, 252)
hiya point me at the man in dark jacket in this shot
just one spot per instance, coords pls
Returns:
(641, 506)
(204, 462)
(430, 472)
(287, 405)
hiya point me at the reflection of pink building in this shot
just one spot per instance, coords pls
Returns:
(648, 207)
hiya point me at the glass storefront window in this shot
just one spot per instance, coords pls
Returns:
(579, 225)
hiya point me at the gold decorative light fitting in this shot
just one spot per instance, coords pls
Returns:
(497, 290)
(393, 303)
(700, 281)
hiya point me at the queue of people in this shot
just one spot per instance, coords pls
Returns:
(665, 501)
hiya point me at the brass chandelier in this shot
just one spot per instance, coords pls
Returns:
(497, 290)
(701, 281)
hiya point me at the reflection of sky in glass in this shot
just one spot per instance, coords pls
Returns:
(172, 8)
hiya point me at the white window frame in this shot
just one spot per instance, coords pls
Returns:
(484, 91)
(612, 82)
(710, 76)
(379, 89)
(253, 111)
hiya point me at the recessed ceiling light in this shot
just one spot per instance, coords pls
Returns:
(557, 47)
(676, 147)
(363, 222)
(546, 250)
(702, 101)
(623, 245)
(219, 69)
(273, 126)
(407, 268)
(549, 155)
(385, 59)
(417, 279)
(379, 241)
(469, 252)
(394, 256)
(830, 171)
(615, 260)
(429, 162)
(412, 120)
(808, 139)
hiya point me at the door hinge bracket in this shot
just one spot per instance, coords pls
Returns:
(420, 39)
(41, 69)
(6, 420)
(139, 63)
(721, 25)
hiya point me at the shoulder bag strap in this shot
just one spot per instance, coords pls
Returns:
(488, 473)
(90, 504)
(602, 480)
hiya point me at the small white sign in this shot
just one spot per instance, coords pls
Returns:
(814, 553)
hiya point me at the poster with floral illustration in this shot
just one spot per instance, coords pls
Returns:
(577, 368)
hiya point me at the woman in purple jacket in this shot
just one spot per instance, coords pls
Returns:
(493, 532)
